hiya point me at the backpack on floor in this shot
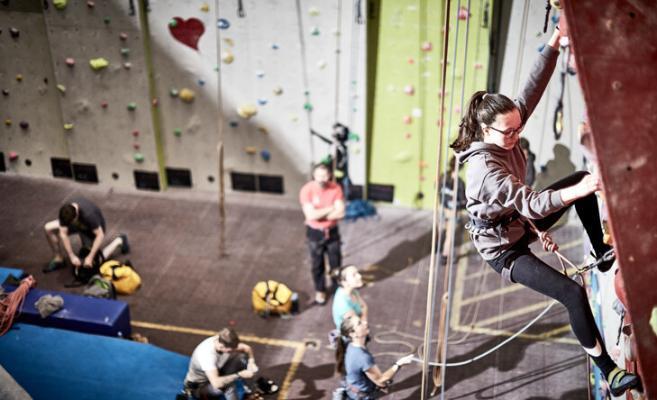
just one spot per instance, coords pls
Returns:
(271, 297)
(122, 275)
(82, 274)
(100, 288)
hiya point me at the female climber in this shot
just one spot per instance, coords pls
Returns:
(499, 205)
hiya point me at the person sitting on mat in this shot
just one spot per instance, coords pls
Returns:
(499, 204)
(218, 363)
(363, 378)
(347, 301)
(80, 216)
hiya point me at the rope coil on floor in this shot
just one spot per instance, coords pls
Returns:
(11, 305)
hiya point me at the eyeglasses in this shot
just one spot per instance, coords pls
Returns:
(509, 131)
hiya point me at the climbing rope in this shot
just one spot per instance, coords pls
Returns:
(10, 305)
(304, 74)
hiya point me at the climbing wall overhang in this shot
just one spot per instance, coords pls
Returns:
(616, 56)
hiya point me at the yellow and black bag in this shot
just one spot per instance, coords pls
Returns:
(271, 297)
(123, 276)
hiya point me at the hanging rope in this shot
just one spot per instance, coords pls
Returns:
(431, 287)
(220, 148)
(304, 69)
(12, 303)
(338, 38)
(521, 46)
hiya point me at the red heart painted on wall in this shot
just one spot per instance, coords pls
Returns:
(187, 32)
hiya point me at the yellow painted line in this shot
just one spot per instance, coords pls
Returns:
(498, 332)
(558, 331)
(299, 347)
(492, 293)
(514, 313)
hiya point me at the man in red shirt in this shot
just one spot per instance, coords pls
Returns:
(323, 205)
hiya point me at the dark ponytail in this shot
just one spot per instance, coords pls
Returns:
(346, 328)
(483, 108)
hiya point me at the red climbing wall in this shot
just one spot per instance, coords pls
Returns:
(616, 54)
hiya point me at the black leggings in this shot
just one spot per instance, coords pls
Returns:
(533, 273)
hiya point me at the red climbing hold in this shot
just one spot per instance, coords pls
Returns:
(187, 32)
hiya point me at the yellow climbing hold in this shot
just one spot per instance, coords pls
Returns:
(247, 111)
(250, 150)
(187, 95)
(8, 122)
(278, 90)
(403, 157)
(68, 127)
(98, 63)
(263, 129)
(205, 7)
(61, 88)
(227, 57)
(19, 77)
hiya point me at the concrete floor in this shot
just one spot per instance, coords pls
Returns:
(190, 291)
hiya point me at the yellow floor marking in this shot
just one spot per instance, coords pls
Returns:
(299, 347)
(499, 332)
(558, 331)
(511, 314)
(492, 293)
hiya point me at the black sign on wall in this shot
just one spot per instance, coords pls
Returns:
(146, 180)
(85, 173)
(61, 168)
(179, 177)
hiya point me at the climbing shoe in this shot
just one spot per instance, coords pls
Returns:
(620, 381)
(605, 261)
(125, 246)
(53, 265)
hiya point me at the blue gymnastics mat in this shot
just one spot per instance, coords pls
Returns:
(57, 364)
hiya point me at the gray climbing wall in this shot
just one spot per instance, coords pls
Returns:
(105, 132)
(34, 99)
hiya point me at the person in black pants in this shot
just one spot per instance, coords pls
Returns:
(323, 206)
(499, 203)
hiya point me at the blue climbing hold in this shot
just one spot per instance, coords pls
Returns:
(201, 82)
(222, 23)
(233, 124)
(262, 102)
(266, 155)
(555, 19)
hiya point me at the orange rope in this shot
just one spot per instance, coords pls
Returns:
(10, 305)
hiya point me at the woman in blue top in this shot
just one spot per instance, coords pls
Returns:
(347, 300)
(364, 380)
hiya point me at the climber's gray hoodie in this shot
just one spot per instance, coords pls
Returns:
(495, 186)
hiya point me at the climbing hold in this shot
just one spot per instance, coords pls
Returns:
(19, 77)
(263, 130)
(262, 101)
(541, 47)
(132, 106)
(187, 95)
(104, 104)
(91, 4)
(411, 60)
(260, 73)
(125, 51)
(464, 13)
(201, 82)
(250, 150)
(155, 102)
(229, 42)
(127, 65)
(457, 110)
(13, 156)
(478, 65)
(138, 157)
(247, 111)
(222, 23)
(14, 32)
(354, 137)
(402, 157)
(173, 92)
(68, 127)
(135, 133)
(107, 20)
(417, 112)
(59, 4)
(61, 88)
(653, 320)
(70, 62)
(409, 90)
(24, 125)
(98, 63)
(423, 164)
(336, 32)
(5, 92)
(408, 119)
(314, 31)
(205, 7)
(313, 11)
(308, 107)
(407, 135)
(427, 46)
(187, 32)
(321, 64)
(8, 121)
(278, 90)
(123, 36)
(233, 124)
(266, 155)
(274, 46)
(227, 57)
(136, 146)
(177, 132)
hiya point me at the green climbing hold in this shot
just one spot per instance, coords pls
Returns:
(308, 107)
(125, 51)
(173, 23)
(306, 93)
(132, 106)
(177, 132)
(107, 20)
(139, 157)
(174, 92)
(60, 4)
(354, 137)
